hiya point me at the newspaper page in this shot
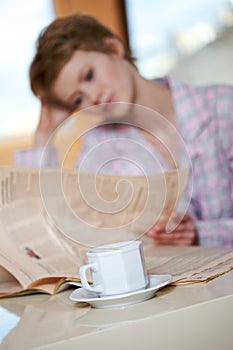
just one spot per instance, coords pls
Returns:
(187, 264)
(99, 209)
(30, 248)
(35, 249)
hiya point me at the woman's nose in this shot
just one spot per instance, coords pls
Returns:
(95, 98)
(94, 95)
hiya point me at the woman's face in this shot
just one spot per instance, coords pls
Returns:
(93, 78)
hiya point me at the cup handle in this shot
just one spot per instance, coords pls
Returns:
(83, 269)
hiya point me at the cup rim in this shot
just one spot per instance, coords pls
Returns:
(117, 248)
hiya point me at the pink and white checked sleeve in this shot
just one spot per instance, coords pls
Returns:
(36, 157)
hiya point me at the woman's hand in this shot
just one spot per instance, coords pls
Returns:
(51, 117)
(183, 234)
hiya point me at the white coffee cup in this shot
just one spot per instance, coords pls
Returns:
(115, 268)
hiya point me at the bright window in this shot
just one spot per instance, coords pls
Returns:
(162, 32)
(21, 22)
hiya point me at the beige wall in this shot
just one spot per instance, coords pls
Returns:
(212, 64)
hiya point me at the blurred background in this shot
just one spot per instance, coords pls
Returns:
(190, 40)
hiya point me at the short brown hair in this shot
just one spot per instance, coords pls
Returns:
(57, 43)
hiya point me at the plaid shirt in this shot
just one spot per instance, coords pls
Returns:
(205, 122)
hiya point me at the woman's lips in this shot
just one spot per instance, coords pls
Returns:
(109, 103)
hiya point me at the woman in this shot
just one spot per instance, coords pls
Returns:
(80, 63)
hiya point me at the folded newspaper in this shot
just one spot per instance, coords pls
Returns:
(49, 219)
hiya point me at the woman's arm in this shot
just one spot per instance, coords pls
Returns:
(51, 116)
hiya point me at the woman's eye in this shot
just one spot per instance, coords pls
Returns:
(77, 101)
(89, 75)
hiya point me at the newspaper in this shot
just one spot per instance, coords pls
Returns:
(36, 255)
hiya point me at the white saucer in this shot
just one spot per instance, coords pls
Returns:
(101, 302)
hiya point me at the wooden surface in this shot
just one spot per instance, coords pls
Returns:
(68, 141)
(110, 12)
(9, 145)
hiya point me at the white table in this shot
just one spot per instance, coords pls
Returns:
(185, 317)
